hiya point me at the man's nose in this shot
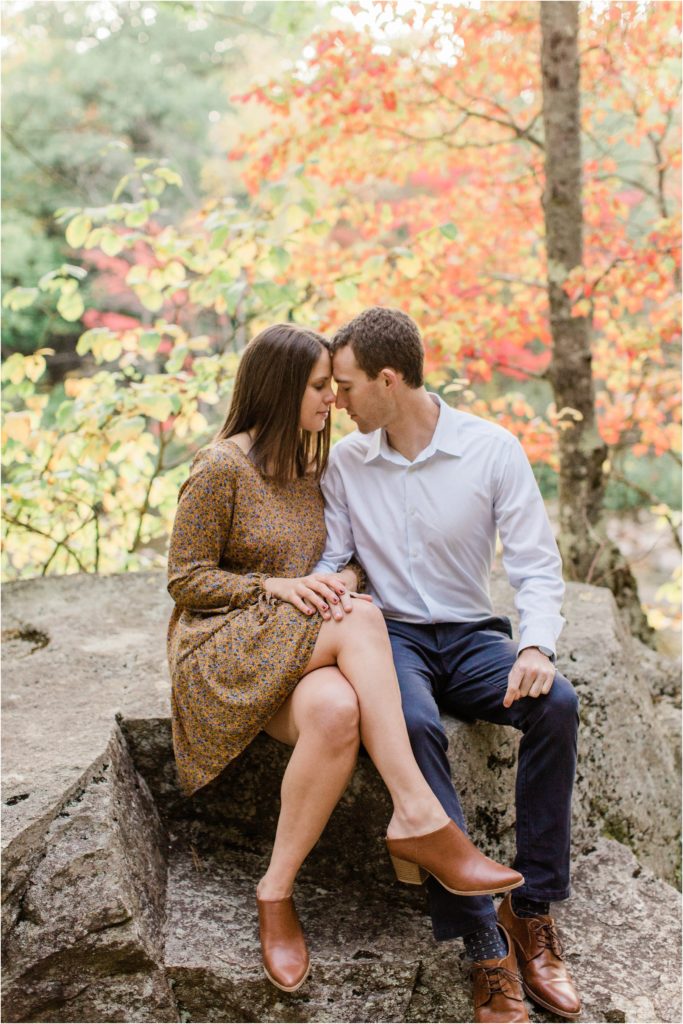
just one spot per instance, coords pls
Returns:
(339, 400)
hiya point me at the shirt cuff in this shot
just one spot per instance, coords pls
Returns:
(544, 650)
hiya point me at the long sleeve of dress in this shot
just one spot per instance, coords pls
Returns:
(200, 536)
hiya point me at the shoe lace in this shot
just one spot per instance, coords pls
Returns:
(496, 977)
(547, 936)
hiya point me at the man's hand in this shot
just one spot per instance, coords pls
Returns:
(530, 676)
(325, 593)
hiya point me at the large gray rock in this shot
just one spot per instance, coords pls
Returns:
(86, 687)
(83, 929)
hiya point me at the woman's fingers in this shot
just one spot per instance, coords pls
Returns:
(321, 587)
(310, 597)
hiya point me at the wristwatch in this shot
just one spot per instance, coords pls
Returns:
(544, 650)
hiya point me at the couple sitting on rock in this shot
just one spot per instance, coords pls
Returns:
(271, 632)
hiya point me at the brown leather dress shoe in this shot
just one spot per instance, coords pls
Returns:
(498, 995)
(283, 947)
(545, 975)
(453, 859)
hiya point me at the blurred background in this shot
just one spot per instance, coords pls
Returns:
(177, 175)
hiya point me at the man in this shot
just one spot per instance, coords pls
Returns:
(418, 494)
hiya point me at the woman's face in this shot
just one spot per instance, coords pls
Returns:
(318, 396)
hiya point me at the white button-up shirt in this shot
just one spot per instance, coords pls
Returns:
(425, 531)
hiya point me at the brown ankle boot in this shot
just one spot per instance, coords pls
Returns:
(453, 859)
(498, 995)
(545, 975)
(283, 947)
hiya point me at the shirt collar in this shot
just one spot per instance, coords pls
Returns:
(446, 438)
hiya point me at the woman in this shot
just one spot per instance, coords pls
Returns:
(256, 642)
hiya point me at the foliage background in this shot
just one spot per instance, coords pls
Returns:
(164, 198)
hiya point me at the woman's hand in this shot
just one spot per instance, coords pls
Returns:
(326, 593)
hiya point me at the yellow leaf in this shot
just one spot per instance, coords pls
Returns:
(70, 307)
(198, 423)
(295, 218)
(127, 429)
(78, 230)
(73, 386)
(408, 266)
(17, 426)
(149, 297)
(35, 367)
(14, 368)
(111, 244)
(158, 407)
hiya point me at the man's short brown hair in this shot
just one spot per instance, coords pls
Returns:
(384, 338)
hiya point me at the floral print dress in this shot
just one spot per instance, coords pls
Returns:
(235, 653)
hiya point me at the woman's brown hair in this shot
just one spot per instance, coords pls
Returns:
(269, 388)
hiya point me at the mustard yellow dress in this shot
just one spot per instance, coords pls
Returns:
(235, 653)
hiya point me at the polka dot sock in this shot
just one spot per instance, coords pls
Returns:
(486, 943)
(524, 907)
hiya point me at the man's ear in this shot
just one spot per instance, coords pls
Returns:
(389, 377)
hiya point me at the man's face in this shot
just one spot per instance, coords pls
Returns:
(365, 400)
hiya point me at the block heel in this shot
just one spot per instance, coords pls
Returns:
(406, 871)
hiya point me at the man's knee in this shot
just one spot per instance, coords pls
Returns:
(562, 703)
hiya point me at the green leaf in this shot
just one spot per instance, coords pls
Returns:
(176, 359)
(78, 230)
(157, 407)
(149, 297)
(219, 237)
(120, 187)
(345, 291)
(93, 239)
(169, 176)
(137, 274)
(111, 244)
(70, 307)
(271, 295)
(232, 296)
(149, 343)
(19, 298)
(136, 218)
(153, 185)
(449, 230)
(319, 227)
(279, 258)
(143, 161)
(88, 339)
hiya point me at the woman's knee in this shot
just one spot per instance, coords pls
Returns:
(364, 620)
(332, 712)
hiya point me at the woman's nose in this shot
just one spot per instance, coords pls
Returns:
(330, 397)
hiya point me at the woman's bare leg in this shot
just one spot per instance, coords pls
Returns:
(359, 645)
(321, 720)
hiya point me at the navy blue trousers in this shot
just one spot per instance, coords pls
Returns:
(462, 668)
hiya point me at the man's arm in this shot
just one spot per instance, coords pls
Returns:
(530, 555)
(534, 568)
(339, 548)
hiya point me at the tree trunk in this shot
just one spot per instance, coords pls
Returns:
(587, 552)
